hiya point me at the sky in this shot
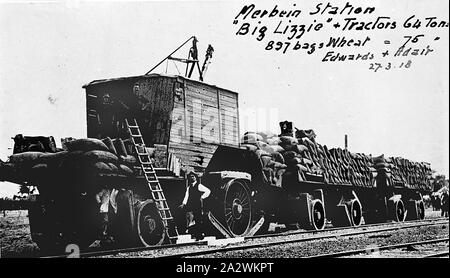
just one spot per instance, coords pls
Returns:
(50, 49)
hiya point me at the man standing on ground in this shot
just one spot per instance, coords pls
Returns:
(444, 204)
(192, 203)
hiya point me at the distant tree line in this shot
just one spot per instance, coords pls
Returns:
(17, 202)
(13, 204)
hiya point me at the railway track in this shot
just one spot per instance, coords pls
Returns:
(437, 255)
(180, 250)
(376, 250)
(308, 236)
(297, 240)
(344, 228)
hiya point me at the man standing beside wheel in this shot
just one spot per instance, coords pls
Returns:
(192, 204)
(444, 204)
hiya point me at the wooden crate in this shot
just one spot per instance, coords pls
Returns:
(190, 117)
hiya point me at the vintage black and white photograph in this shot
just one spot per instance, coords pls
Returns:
(224, 129)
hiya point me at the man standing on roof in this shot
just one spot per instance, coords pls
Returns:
(192, 203)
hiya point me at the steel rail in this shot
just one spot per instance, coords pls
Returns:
(282, 242)
(379, 248)
(138, 249)
(107, 252)
(437, 255)
(130, 250)
(344, 228)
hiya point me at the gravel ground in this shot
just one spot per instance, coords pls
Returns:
(406, 252)
(339, 244)
(179, 250)
(15, 238)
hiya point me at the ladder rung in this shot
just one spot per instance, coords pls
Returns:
(165, 212)
(150, 175)
(149, 171)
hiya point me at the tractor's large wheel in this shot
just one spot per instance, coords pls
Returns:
(52, 236)
(150, 227)
(237, 208)
(44, 229)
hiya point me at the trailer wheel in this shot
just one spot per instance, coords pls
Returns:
(356, 212)
(237, 207)
(421, 210)
(318, 214)
(399, 214)
(150, 228)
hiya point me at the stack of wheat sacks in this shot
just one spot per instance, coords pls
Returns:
(414, 175)
(287, 154)
(81, 157)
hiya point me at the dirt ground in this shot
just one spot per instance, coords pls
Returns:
(15, 238)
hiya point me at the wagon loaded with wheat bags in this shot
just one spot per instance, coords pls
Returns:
(145, 133)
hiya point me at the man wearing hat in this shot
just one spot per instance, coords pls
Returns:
(192, 203)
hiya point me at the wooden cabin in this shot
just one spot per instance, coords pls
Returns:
(179, 117)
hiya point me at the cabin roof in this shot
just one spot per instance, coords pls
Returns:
(101, 81)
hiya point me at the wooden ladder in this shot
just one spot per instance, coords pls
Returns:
(152, 180)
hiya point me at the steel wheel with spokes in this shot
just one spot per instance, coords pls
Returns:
(238, 208)
(150, 226)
